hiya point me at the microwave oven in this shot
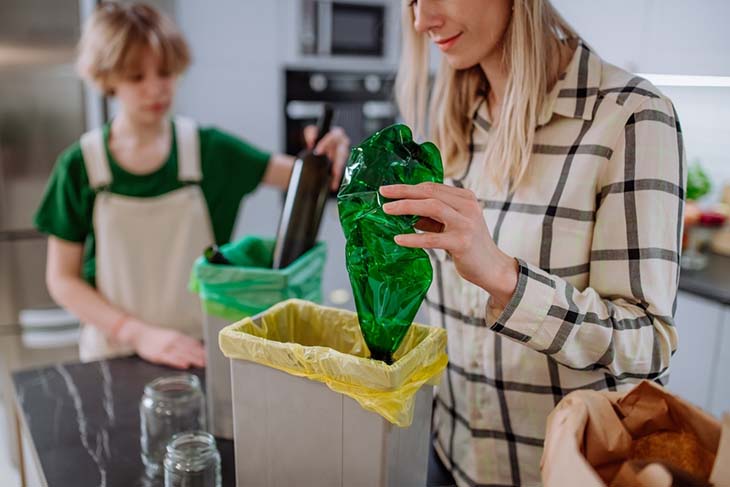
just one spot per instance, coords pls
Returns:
(354, 28)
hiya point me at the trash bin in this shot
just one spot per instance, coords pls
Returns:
(229, 293)
(311, 409)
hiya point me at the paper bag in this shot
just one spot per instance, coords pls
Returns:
(590, 434)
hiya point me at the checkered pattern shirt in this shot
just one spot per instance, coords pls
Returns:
(596, 228)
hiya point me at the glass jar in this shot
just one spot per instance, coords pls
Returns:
(692, 257)
(170, 405)
(192, 460)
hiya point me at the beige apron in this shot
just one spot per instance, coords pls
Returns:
(145, 247)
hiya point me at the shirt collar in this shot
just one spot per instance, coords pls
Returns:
(576, 92)
(573, 96)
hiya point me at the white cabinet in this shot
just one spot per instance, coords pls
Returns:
(698, 324)
(720, 394)
(700, 369)
(655, 36)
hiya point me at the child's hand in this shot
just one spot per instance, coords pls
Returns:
(162, 346)
(335, 145)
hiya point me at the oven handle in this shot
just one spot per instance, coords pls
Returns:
(303, 110)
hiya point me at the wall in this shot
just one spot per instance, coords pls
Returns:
(655, 36)
(705, 117)
(234, 83)
(670, 37)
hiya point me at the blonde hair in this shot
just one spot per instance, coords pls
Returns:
(530, 43)
(116, 36)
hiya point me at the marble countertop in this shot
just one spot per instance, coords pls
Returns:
(712, 282)
(84, 423)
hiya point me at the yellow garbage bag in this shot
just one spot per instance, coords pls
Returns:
(326, 345)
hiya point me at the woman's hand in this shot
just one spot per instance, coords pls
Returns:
(335, 145)
(161, 345)
(452, 220)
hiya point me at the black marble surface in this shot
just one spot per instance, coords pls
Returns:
(84, 422)
(712, 282)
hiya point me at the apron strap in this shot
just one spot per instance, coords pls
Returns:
(95, 160)
(188, 154)
(188, 150)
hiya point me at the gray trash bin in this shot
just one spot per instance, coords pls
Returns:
(229, 293)
(310, 409)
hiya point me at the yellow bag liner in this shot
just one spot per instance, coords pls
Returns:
(325, 344)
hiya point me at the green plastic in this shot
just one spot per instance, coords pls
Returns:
(250, 285)
(388, 281)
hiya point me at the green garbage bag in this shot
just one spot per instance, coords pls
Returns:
(388, 281)
(250, 285)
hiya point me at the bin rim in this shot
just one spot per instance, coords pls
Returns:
(379, 387)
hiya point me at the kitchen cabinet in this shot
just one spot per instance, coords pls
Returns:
(699, 369)
(655, 36)
(720, 393)
(699, 322)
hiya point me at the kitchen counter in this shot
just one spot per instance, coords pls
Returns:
(82, 425)
(83, 422)
(712, 282)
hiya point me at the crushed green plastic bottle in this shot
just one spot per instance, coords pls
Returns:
(388, 281)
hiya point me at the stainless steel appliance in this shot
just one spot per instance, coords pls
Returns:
(42, 110)
(340, 34)
(343, 28)
(362, 101)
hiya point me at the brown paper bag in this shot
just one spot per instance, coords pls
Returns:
(589, 438)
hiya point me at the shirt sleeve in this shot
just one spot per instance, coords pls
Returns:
(242, 163)
(623, 320)
(232, 168)
(66, 207)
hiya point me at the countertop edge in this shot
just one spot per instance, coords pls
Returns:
(25, 434)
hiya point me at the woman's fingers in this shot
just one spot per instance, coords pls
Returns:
(425, 240)
(424, 190)
(434, 209)
(457, 198)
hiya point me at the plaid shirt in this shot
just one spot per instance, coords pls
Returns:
(596, 227)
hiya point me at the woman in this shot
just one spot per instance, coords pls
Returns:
(555, 242)
(131, 205)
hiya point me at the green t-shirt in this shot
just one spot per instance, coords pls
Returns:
(231, 168)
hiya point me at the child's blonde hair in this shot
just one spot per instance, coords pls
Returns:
(116, 36)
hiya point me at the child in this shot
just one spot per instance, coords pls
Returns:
(130, 206)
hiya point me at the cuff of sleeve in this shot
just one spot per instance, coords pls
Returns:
(525, 313)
